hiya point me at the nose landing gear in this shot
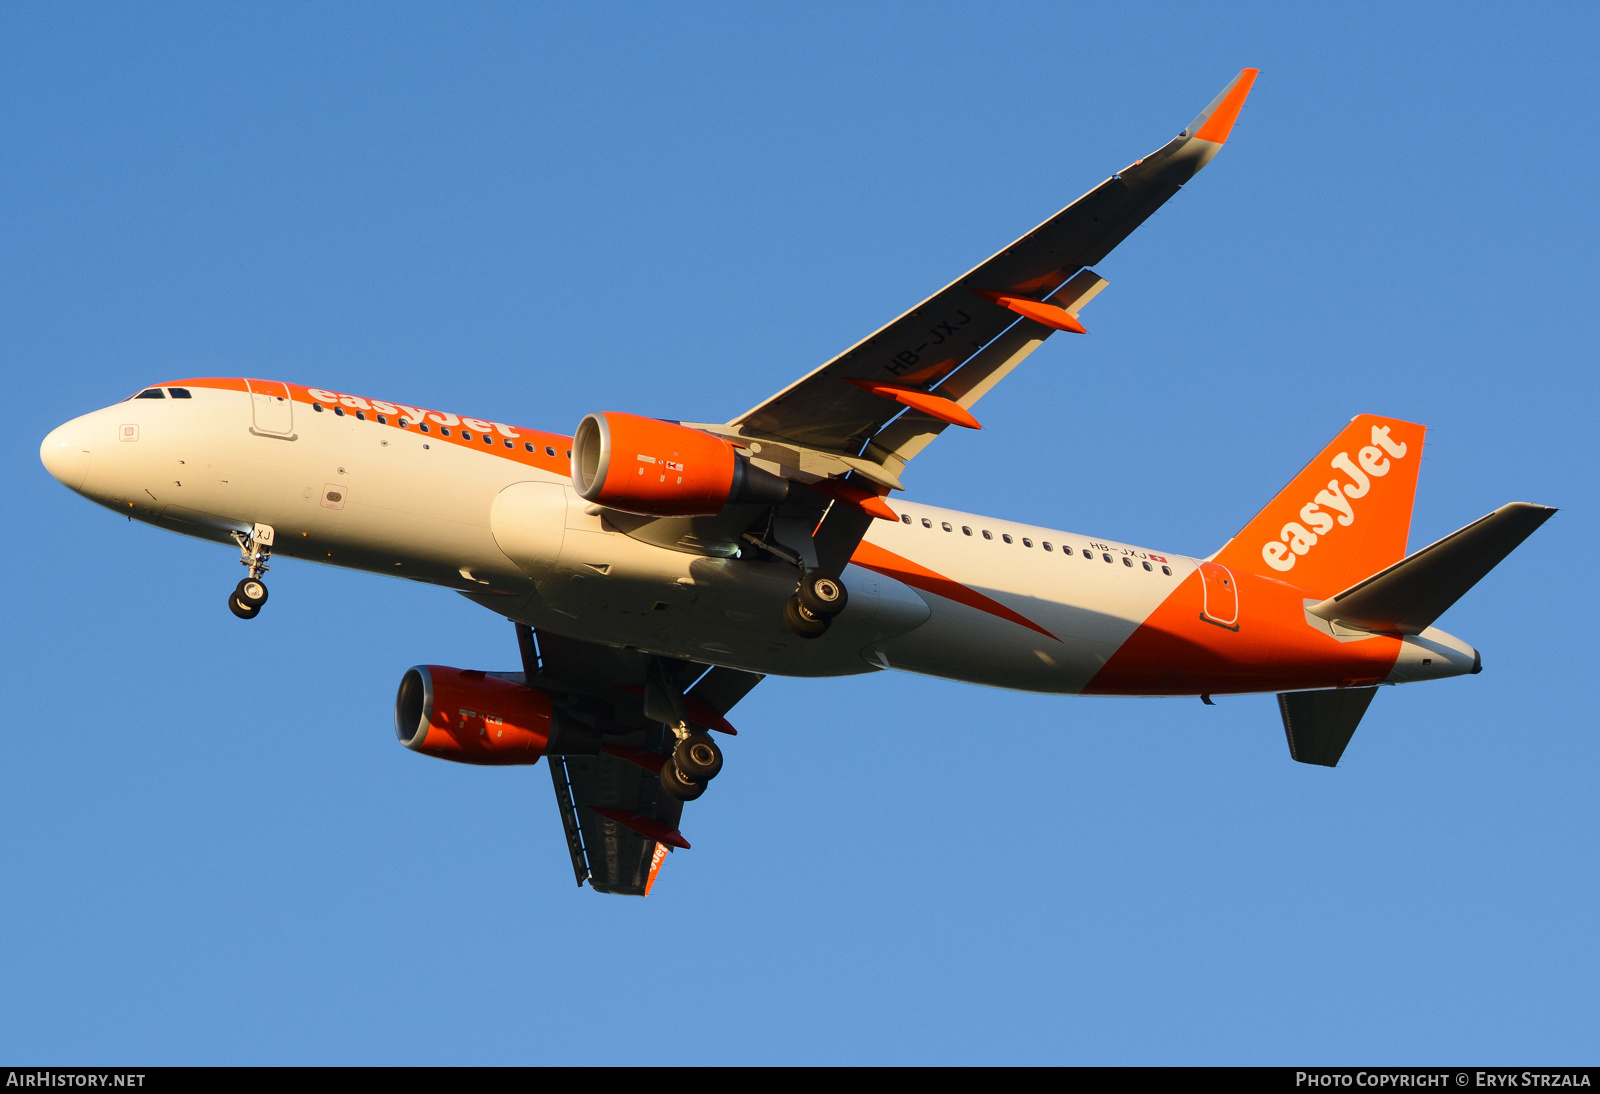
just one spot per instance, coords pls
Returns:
(254, 549)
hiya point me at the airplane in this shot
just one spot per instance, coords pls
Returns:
(656, 571)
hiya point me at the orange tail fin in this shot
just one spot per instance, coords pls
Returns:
(1343, 518)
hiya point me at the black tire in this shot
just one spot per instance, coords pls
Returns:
(822, 595)
(676, 786)
(240, 608)
(697, 758)
(251, 591)
(802, 621)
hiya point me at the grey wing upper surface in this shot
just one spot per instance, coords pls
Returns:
(927, 347)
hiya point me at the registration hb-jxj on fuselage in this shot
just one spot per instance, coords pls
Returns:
(657, 570)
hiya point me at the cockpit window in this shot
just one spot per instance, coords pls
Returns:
(151, 393)
(179, 392)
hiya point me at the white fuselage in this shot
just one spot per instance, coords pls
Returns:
(512, 535)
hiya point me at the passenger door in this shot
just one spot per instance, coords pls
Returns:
(1220, 596)
(271, 409)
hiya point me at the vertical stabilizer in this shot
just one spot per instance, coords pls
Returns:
(1342, 518)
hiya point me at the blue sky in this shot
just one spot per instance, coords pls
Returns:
(215, 851)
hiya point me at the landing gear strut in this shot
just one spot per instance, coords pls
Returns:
(695, 759)
(816, 600)
(255, 548)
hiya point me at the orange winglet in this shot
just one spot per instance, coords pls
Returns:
(656, 859)
(648, 827)
(946, 410)
(1220, 124)
(1048, 314)
(856, 497)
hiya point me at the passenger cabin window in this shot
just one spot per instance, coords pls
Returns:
(905, 518)
(549, 451)
(1026, 542)
(1147, 568)
(1106, 557)
(1046, 545)
(424, 427)
(1128, 562)
(509, 444)
(444, 431)
(946, 526)
(179, 392)
(318, 408)
(362, 415)
(151, 393)
(926, 523)
(1087, 553)
(382, 420)
(465, 435)
(965, 530)
(339, 410)
(1006, 536)
(987, 534)
(1167, 570)
(528, 445)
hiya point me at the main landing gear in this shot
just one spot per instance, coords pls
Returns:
(814, 604)
(694, 762)
(818, 598)
(695, 758)
(250, 594)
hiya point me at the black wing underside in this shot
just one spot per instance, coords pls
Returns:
(597, 688)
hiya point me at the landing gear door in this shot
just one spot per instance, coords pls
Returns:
(1220, 593)
(271, 409)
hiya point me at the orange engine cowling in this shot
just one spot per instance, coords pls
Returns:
(471, 717)
(661, 469)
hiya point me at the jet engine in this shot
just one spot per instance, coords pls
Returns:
(662, 469)
(471, 717)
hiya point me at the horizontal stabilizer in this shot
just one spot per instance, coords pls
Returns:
(1320, 723)
(1407, 597)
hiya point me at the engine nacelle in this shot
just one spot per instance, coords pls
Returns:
(470, 717)
(659, 469)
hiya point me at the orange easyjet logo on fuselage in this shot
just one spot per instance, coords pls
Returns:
(1297, 537)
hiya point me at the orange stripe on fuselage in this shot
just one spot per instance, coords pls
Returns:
(904, 570)
(1176, 652)
(437, 422)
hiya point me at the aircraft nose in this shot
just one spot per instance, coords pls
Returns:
(66, 452)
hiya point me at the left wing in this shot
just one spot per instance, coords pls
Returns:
(934, 349)
(607, 750)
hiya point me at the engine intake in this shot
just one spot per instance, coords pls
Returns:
(470, 717)
(661, 469)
